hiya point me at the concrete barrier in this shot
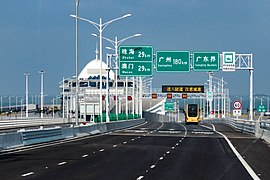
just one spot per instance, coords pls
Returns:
(29, 137)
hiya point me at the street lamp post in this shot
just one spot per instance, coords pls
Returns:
(41, 92)
(116, 43)
(2, 102)
(77, 84)
(100, 27)
(26, 94)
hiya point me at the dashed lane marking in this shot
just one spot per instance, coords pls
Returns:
(139, 178)
(101, 150)
(85, 155)
(114, 146)
(161, 158)
(61, 163)
(153, 166)
(28, 174)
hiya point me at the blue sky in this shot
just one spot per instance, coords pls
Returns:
(40, 35)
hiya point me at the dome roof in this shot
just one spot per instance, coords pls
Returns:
(92, 69)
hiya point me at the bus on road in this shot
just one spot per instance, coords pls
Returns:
(192, 113)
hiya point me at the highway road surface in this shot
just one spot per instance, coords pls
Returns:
(153, 150)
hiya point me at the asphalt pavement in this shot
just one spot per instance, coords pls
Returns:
(153, 150)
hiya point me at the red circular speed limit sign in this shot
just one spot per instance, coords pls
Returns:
(237, 105)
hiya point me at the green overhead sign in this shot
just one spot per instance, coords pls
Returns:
(172, 61)
(205, 61)
(136, 61)
(261, 108)
(169, 106)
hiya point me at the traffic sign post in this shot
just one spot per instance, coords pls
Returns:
(136, 61)
(237, 105)
(209, 96)
(228, 63)
(169, 106)
(206, 61)
(261, 108)
(172, 61)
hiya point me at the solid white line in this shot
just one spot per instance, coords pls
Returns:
(85, 155)
(244, 163)
(62, 163)
(185, 129)
(27, 174)
(139, 178)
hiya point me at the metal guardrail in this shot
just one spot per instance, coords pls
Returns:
(28, 137)
(238, 124)
(243, 125)
(265, 125)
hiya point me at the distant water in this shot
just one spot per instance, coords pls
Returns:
(47, 100)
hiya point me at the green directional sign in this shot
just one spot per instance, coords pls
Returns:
(261, 108)
(169, 106)
(172, 61)
(206, 61)
(136, 61)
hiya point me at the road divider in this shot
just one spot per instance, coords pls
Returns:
(41, 135)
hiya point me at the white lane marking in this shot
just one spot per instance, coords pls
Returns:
(27, 174)
(62, 163)
(168, 152)
(161, 158)
(101, 150)
(185, 129)
(94, 152)
(153, 166)
(85, 155)
(114, 145)
(139, 178)
(177, 144)
(139, 137)
(173, 147)
(132, 139)
(125, 142)
(238, 155)
(162, 124)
